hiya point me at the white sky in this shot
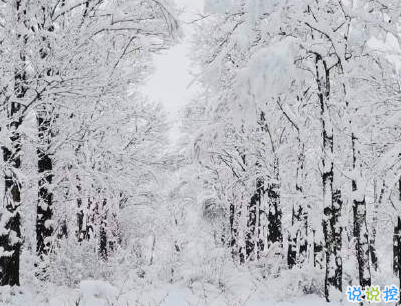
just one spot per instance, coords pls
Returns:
(169, 84)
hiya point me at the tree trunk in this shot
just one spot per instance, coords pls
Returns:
(85, 215)
(335, 277)
(378, 199)
(44, 227)
(275, 234)
(397, 247)
(251, 229)
(260, 212)
(318, 254)
(397, 243)
(237, 250)
(298, 238)
(360, 226)
(103, 244)
(331, 211)
(10, 238)
(81, 231)
(253, 240)
(115, 235)
(85, 220)
(63, 229)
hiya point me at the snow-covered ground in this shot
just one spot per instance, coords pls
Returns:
(225, 286)
(100, 293)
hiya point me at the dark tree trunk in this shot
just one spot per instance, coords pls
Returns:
(85, 216)
(235, 245)
(275, 234)
(80, 221)
(317, 251)
(250, 237)
(81, 231)
(397, 247)
(85, 221)
(397, 243)
(103, 244)
(378, 199)
(63, 229)
(115, 235)
(233, 228)
(333, 230)
(331, 211)
(298, 242)
(360, 227)
(253, 241)
(103, 250)
(10, 239)
(44, 227)
(44, 215)
(292, 243)
(269, 191)
(89, 218)
(362, 242)
(260, 194)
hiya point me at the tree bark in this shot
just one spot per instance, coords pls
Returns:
(318, 254)
(378, 199)
(237, 250)
(86, 219)
(298, 238)
(85, 214)
(334, 277)
(397, 247)
(253, 240)
(10, 238)
(360, 225)
(333, 274)
(233, 228)
(397, 243)
(103, 242)
(251, 228)
(275, 234)
(44, 227)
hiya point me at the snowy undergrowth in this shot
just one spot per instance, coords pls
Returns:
(101, 293)
(221, 283)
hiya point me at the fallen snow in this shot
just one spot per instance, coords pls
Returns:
(98, 293)
(101, 293)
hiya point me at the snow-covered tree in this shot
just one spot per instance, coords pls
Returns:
(313, 64)
(72, 59)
